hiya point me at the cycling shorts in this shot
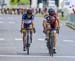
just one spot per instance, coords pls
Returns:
(26, 25)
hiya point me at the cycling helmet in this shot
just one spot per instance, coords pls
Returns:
(51, 11)
(29, 11)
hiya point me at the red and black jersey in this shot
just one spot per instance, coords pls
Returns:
(52, 20)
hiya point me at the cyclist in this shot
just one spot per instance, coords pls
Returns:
(27, 21)
(51, 21)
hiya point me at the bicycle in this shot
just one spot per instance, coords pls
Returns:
(28, 40)
(50, 43)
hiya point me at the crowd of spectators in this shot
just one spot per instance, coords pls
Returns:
(20, 11)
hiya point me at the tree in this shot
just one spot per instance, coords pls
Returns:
(18, 1)
(13, 2)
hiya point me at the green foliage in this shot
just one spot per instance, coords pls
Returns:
(63, 18)
(24, 1)
(13, 2)
(20, 2)
(72, 26)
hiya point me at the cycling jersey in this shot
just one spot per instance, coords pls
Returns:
(26, 19)
(52, 20)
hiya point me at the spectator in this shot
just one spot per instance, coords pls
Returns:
(73, 10)
(62, 12)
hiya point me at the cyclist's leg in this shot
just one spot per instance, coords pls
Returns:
(24, 40)
(48, 30)
(31, 32)
(54, 40)
(54, 34)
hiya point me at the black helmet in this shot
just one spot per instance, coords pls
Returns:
(29, 11)
(51, 11)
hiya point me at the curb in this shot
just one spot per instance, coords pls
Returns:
(70, 26)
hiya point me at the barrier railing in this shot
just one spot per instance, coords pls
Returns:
(71, 18)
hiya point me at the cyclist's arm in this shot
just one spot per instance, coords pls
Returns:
(57, 18)
(58, 22)
(32, 24)
(44, 24)
(45, 21)
(34, 30)
(23, 20)
(32, 21)
(22, 24)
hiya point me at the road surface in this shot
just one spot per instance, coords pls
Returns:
(11, 48)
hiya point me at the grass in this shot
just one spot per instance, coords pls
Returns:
(22, 2)
(72, 26)
(60, 17)
(39, 15)
(63, 18)
(13, 2)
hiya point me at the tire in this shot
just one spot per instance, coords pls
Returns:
(51, 52)
(28, 45)
(27, 50)
(51, 45)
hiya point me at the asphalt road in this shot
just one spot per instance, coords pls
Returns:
(11, 48)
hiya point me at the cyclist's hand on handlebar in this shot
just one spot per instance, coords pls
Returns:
(58, 28)
(21, 30)
(57, 31)
(34, 30)
(44, 30)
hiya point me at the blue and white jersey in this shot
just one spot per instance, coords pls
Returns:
(26, 19)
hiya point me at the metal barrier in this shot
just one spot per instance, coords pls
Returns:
(72, 18)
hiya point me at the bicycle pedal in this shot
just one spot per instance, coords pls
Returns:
(24, 49)
(54, 51)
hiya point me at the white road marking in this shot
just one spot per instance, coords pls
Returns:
(11, 22)
(1, 22)
(26, 56)
(64, 56)
(18, 38)
(69, 41)
(2, 39)
(41, 39)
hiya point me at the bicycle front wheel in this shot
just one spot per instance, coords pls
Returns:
(51, 45)
(27, 50)
(28, 45)
(51, 52)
